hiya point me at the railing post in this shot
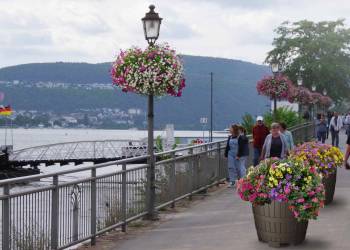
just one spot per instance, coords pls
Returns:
(196, 165)
(219, 162)
(124, 194)
(192, 164)
(54, 212)
(204, 166)
(172, 180)
(93, 206)
(6, 219)
(75, 219)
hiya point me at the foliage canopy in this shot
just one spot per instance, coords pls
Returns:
(318, 51)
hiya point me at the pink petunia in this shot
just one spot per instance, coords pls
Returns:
(300, 200)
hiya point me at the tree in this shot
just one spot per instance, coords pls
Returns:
(320, 51)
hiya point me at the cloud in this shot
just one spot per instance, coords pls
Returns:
(246, 4)
(177, 30)
(95, 30)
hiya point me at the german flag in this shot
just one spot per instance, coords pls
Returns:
(6, 111)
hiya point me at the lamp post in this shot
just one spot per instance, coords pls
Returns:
(275, 68)
(300, 83)
(313, 89)
(151, 26)
(324, 92)
(211, 107)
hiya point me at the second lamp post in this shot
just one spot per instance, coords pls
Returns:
(276, 69)
(300, 83)
(314, 105)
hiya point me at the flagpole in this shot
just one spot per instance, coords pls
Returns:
(12, 132)
(5, 131)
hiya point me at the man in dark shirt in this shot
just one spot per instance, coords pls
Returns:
(260, 131)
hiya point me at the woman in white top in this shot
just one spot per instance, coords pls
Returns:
(335, 126)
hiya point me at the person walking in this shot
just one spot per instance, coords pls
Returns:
(347, 124)
(288, 135)
(243, 148)
(321, 129)
(347, 153)
(329, 118)
(335, 126)
(235, 170)
(260, 131)
(275, 145)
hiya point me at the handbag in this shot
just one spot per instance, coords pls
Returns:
(347, 166)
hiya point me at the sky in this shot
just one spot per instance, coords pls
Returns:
(94, 31)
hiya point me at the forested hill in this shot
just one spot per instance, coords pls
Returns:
(57, 72)
(99, 73)
(234, 90)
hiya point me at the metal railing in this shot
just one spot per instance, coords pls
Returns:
(58, 210)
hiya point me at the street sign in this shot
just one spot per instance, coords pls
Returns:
(203, 120)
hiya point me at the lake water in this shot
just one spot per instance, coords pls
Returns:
(24, 138)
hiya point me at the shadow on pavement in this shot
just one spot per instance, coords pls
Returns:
(316, 244)
(337, 202)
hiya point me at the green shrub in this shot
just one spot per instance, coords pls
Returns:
(248, 122)
(159, 144)
(284, 114)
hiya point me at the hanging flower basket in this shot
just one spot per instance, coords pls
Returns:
(316, 98)
(326, 101)
(284, 194)
(274, 87)
(299, 95)
(325, 158)
(156, 70)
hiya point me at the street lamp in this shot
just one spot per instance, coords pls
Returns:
(324, 92)
(300, 80)
(313, 88)
(300, 83)
(151, 26)
(276, 69)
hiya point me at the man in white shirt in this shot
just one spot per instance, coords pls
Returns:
(347, 123)
(335, 126)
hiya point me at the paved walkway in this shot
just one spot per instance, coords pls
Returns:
(224, 221)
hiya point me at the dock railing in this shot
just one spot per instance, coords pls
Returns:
(62, 209)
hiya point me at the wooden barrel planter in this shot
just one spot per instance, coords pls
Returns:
(276, 225)
(329, 186)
